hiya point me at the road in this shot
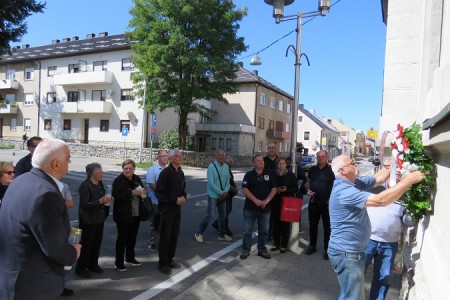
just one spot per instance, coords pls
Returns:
(145, 282)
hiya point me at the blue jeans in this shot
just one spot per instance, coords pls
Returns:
(262, 218)
(221, 210)
(349, 268)
(383, 255)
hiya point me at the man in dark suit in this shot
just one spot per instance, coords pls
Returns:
(24, 164)
(34, 228)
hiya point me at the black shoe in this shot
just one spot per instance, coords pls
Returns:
(228, 232)
(96, 269)
(174, 265)
(133, 262)
(325, 255)
(67, 292)
(283, 250)
(215, 224)
(120, 267)
(165, 270)
(83, 273)
(310, 250)
(244, 255)
(265, 255)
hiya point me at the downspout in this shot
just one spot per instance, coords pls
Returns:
(39, 100)
(320, 139)
(254, 121)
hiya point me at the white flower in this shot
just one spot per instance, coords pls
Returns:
(395, 152)
(400, 147)
(401, 156)
(408, 151)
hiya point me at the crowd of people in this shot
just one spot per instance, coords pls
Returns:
(346, 203)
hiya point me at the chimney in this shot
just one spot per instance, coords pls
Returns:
(329, 121)
(103, 34)
(24, 46)
(17, 47)
(65, 40)
(55, 42)
(301, 106)
(255, 72)
(75, 38)
(90, 36)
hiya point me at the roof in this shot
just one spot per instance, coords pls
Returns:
(246, 76)
(68, 48)
(318, 120)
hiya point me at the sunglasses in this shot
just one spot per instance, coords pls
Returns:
(10, 173)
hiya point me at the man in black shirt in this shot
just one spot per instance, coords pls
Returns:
(319, 185)
(270, 160)
(24, 164)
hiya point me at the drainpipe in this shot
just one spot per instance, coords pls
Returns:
(254, 122)
(39, 100)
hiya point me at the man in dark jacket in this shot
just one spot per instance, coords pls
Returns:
(24, 164)
(171, 193)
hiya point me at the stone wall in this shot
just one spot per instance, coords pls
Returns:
(118, 151)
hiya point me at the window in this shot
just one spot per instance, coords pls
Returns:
(125, 123)
(127, 65)
(51, 97)
(126, 94)
(28, 99)
(300, 119)
(204, 120)
(73, 96)
(74, 68)
(228, 144)
(280, 105)
(27, 124)
(272, 103)
(288, 108)
(98, 95)
(47, 124)
(13, 124)
(100, 65)
(29, 73)
(260, 146)
(221, 143)
(10, 98)
(213, 144)
(306, 136)
(287, 127)
(10, 74)
(262, 99)
(271, 124)
(51, 71)
(104, 125)
(67, 124)
(261, 122)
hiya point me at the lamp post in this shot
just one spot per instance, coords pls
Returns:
(144, 114)
(278, 14)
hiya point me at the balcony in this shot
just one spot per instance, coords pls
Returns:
(6, 84)
(272, 133)
(228, 128)
(84, 78)
(86, 107)
(8, 109)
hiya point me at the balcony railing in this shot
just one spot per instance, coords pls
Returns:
(227, 127)
(97, 77)
(8, 109)
(272, 133)
(9, 84)
(90, 107)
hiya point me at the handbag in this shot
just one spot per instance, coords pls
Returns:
(145, 209)
(291, 208)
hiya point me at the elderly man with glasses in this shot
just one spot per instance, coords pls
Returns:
(350, 224)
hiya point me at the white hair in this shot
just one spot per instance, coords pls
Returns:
(46, 151)
(338, 163)
(173, 152)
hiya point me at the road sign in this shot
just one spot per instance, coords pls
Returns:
(153, 120)
(124, 131)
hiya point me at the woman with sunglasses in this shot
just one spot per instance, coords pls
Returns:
(6, 177)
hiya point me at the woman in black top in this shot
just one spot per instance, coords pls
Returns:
(93, 210)
(286, 186)
(126, 191)
(6, 177)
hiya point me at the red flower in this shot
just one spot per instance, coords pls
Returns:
(399, 163)
(400, 130)
(394, 145)
(405, 144)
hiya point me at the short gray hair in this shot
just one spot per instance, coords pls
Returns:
(90, 168)
(338, 163)
(173, 152)
(46, 151)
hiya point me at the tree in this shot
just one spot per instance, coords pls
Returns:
(12, 15)
(186, 50)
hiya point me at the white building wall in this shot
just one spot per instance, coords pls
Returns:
(315, 134)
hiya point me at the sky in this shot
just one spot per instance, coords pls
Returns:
(345, 49)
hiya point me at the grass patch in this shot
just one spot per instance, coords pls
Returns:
(143, 165)
(6, 146)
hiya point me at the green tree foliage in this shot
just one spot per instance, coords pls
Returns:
(12, 16)
(186, 49)
(170, 139)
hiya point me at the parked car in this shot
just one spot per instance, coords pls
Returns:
(307, 162)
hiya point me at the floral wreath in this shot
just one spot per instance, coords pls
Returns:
(410, 155)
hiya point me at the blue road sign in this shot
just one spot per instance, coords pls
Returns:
(124, 131)
(153, 120)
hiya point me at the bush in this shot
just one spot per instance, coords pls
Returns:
(169, 140)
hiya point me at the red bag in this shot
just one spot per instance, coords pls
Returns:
(291, 208)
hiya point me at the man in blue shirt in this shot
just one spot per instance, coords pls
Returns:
(350, 224)
(152, 177)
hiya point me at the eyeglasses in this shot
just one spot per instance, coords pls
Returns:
(10, 173)
(352, 163)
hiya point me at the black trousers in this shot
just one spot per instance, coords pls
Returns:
(126, 240)
(168, 232)
(91, 241)
(281, 229)
(316, 210)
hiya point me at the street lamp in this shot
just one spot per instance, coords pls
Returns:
(278, 14)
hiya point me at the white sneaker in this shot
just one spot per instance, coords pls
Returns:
(199, 237)
(225, 238)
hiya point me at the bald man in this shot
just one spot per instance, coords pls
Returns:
(350, 224)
